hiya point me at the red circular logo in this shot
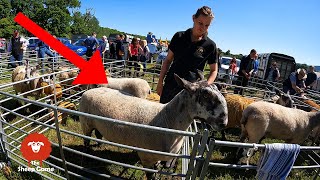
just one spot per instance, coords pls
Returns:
(35, 147)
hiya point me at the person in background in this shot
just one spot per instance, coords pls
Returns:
(311, 78)
(104, 48)
(188, 52)
(272, 75)
(246, 70)
(144, 54)
(112, 47)
(92, 44)
(255, 66)
(295, 82)
(232, 70)
(17, 46)
(133, 55)
(119, 47)
(42, 51)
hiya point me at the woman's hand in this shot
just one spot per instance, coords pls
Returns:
(159, 88)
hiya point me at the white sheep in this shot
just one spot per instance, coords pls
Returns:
(197, 100)
(19, 74)
(237, 104)
(134, 86)
(263, 119)
(67, 76)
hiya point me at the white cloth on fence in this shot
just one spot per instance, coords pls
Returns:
(277, 160)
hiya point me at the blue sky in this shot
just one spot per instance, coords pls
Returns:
(290, 27)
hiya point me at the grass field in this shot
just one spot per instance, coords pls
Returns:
(220, 154)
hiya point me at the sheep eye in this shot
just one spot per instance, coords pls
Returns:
(205, 95)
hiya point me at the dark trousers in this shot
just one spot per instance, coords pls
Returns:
(169, 91)
(242, 81)
(16, 58)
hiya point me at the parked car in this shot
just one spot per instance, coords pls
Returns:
(224, 66)
(32, 47)
(80, 50)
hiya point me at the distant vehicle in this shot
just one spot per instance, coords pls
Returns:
(32, 48)
(76, 37)
(80, 50)
(285, 63)
(79, 42)
(33, 43)
(225, 63)
(3, 45)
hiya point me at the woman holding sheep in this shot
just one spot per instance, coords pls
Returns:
(188, 51)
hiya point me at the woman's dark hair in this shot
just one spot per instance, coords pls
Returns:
(134, 40)
(204, 10)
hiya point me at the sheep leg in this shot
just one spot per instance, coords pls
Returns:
(86, 142)
(98, 136)
(223, 135)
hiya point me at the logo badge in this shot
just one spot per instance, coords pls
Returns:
(199, 52)
(35, 147)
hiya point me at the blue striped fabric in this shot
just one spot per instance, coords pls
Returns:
(277, 161)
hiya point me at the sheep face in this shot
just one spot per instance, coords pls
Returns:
(208, 103)
(285, 100)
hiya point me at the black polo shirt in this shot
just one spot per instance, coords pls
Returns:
(246, 64)
(311, 76)
(190, 56)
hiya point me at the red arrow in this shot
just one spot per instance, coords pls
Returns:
(91, 72)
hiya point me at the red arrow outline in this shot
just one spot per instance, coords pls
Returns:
(92, 68)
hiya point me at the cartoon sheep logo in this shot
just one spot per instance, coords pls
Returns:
(35, 147)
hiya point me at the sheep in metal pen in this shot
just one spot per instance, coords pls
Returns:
(263, 119)
(198, 100)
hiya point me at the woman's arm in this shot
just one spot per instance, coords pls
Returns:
(165, 66)
(213, 73)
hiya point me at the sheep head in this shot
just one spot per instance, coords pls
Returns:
(208, 103)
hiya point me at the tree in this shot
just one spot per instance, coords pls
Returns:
(228, 53)
(52, 15)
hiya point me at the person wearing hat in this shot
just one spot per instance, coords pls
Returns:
(295, 82)
(17, 45)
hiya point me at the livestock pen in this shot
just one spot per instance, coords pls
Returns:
(202, 155)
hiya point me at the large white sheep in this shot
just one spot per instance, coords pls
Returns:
(19, 74)
(237, 104)
(197, 100)
(135, 86)
(263, 119)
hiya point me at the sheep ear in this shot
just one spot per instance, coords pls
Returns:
(200, 74)
(30, 143)
(41, 143)
(185, 84)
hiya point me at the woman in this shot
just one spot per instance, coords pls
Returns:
(188, 51)
(232, 69)
(144, 54)
(133, 55)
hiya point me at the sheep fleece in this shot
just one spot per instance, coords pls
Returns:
(113, 104)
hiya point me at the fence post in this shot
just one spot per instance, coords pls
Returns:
(191, 164)
(202, 147)
(60, 142)
(207, 160)
(3, 140)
